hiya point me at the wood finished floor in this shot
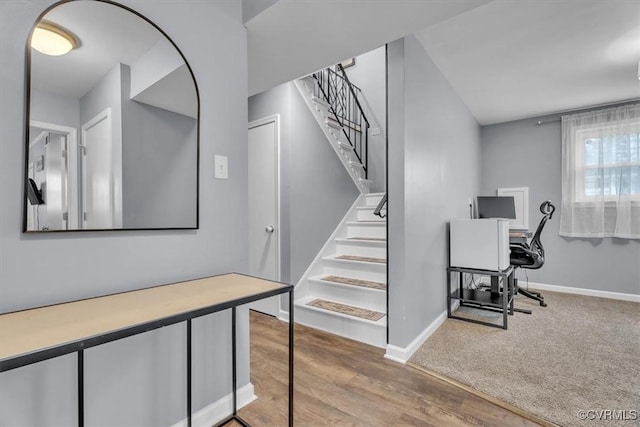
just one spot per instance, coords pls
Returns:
(346, 383)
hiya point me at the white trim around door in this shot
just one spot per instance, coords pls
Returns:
(275, 119)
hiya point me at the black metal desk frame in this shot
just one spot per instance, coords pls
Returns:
(79, 347)
(494, 300)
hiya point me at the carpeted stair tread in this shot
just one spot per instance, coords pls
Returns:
(355, 282)
(361, 258)
(377, 239)
(350, 310)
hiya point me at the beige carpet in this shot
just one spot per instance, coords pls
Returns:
(579, 353)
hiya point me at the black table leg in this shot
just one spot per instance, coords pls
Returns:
(505, 298)
(189, 347)
(233, 361)
(448, 293)
(291, 328)
(234, 368)
(81, 388)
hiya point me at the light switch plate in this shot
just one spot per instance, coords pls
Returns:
(221, 167)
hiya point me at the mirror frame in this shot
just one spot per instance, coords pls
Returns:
(27, 121)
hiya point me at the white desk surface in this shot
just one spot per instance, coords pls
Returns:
(37, 329)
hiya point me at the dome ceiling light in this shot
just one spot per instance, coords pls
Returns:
(51, 39)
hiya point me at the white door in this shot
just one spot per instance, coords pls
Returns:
(97, 180)
(53, 161)
(264, 227)
(55, 166)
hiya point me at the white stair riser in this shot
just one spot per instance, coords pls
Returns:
(336, 132)
(340, 136)
(375, 273)
(309, 84)
(350, 156)
(320, 102)
(332, 124)
(361, 248)
(358, 296)
(345, 146)
(357, 171)
(365, 230)
(373, 199)
(367, 215)
(325, 321)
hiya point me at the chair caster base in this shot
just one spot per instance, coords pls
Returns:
(533, 295)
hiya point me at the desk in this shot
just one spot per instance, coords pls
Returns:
(519, 236)
(38, 334)
(496, 301)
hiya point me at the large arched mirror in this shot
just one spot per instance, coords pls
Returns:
(112, 123)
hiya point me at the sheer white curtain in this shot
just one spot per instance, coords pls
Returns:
(601, 173)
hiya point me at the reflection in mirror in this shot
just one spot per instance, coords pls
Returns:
(113, 124)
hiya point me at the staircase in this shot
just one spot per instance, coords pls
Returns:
(344, 291)
(335, 104)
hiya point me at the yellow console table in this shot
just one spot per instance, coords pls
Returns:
(34, 335)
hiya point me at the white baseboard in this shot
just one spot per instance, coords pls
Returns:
(220, 409)
(581, 291)
(403, 354)
(284, 315)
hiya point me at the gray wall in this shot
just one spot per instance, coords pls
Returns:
(107, 93)
(369, 74)
(524, 154)
(142, 376)
(54, 109)
(252, 8)
(159, 163)
(316, 191)
(434, 169)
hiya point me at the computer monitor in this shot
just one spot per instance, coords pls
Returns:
(496, 207)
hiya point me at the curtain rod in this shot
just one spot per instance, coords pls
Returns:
(542, 122)
(593, 107)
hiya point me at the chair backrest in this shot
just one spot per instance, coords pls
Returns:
(547, 209)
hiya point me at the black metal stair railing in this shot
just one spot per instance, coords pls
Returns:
(378, 210)
(342, 96)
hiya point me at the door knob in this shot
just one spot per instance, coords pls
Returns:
(269, 229)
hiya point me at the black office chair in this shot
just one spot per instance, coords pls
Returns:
(531, 255)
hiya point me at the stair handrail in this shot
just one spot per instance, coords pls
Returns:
(364, 116)
(361, 152)
(378, 209)
(351, 86)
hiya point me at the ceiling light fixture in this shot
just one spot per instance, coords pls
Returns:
(51, 39)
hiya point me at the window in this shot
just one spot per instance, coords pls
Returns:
(608, 166)
(601, 173)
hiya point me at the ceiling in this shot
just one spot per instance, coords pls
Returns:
(107, 35)
(510, 60)
(506, 59)
(293, 38)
